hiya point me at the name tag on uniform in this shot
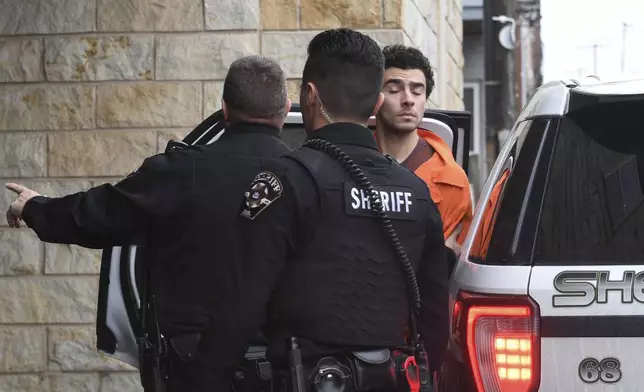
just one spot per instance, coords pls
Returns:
(398, 202)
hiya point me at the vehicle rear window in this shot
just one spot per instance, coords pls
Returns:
(593, 208)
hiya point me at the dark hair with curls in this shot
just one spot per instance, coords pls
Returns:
(406, 57)
(347, 67)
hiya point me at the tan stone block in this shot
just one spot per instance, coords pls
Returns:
(201, 56)
(20, 60)
(392, 14)
(437, 94)
(279, 14)
(74, 349)
(413, 22)
(232, 15)
(425, 6)
(454, 46)
(433, 15)
(46, 107)
(407, 39)
(212, 94)
(455, 78)
(75, 382)
(323, 14)
(150, 15)
(120, 382)
(44, 187)
(443, 8)
(289, 49)
(431, 47)
(71, 259)
(455, 101)
(456, 21)
(38, 300)
(23, 349)
(100, 153)
(21, 252)
(47, 16)
(99, 58)
(163, 137)
(24, 383)
(22, 154)
(293, 88)
(421, 35)
(386, 37)
(172, 104)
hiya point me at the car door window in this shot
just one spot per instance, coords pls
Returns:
(593, 211)
(506, 214)
(484, 232)
(293, 135)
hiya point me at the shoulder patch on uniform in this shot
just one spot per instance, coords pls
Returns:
(264, 190)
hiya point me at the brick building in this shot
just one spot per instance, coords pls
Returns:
(90, 88)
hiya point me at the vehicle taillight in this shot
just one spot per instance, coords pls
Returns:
(501, 341)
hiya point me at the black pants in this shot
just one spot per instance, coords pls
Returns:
(191, 366)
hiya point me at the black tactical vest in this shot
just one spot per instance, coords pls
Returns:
(346, 286)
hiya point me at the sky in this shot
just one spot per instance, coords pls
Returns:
(570, 28)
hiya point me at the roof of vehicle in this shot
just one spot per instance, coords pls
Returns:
(552, 98)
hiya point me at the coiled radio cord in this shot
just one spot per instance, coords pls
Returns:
(361, 180)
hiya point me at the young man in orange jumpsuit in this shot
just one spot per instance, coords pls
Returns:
(407, 84)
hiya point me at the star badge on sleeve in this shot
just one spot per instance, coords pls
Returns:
(264, 190)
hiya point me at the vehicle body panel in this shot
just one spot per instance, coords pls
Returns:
(576, 252)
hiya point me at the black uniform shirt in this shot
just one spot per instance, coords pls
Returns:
(285, 206)
(181, 205)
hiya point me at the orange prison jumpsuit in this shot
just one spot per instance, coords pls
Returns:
(449, 188)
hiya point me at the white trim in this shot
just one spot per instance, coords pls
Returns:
(476, 116)
(438, 127)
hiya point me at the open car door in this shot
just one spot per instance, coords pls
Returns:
(123, 278)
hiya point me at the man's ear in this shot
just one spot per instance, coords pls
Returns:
(311, 94)
(289, 103)
(381, 99)
(224, 107)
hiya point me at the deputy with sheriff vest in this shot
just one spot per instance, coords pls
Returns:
(182, 207)
(342, 242)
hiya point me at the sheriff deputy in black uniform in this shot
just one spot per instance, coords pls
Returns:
(182, 206)
(341, 242)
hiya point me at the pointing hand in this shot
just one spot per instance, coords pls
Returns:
(14, 214)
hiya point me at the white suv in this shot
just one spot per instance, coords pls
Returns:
(548, 292)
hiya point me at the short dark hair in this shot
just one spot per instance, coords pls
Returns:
(255, 87)
(347, 68)
(407, 57)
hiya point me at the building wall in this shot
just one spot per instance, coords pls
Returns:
(474, 53)
(90, 88)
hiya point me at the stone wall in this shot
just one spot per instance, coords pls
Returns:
(89, 88)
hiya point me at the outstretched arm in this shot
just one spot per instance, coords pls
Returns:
(107, 215)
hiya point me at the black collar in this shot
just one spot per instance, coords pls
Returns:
(346, 133)
(248, 127)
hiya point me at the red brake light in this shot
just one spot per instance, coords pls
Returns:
(502, 342)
